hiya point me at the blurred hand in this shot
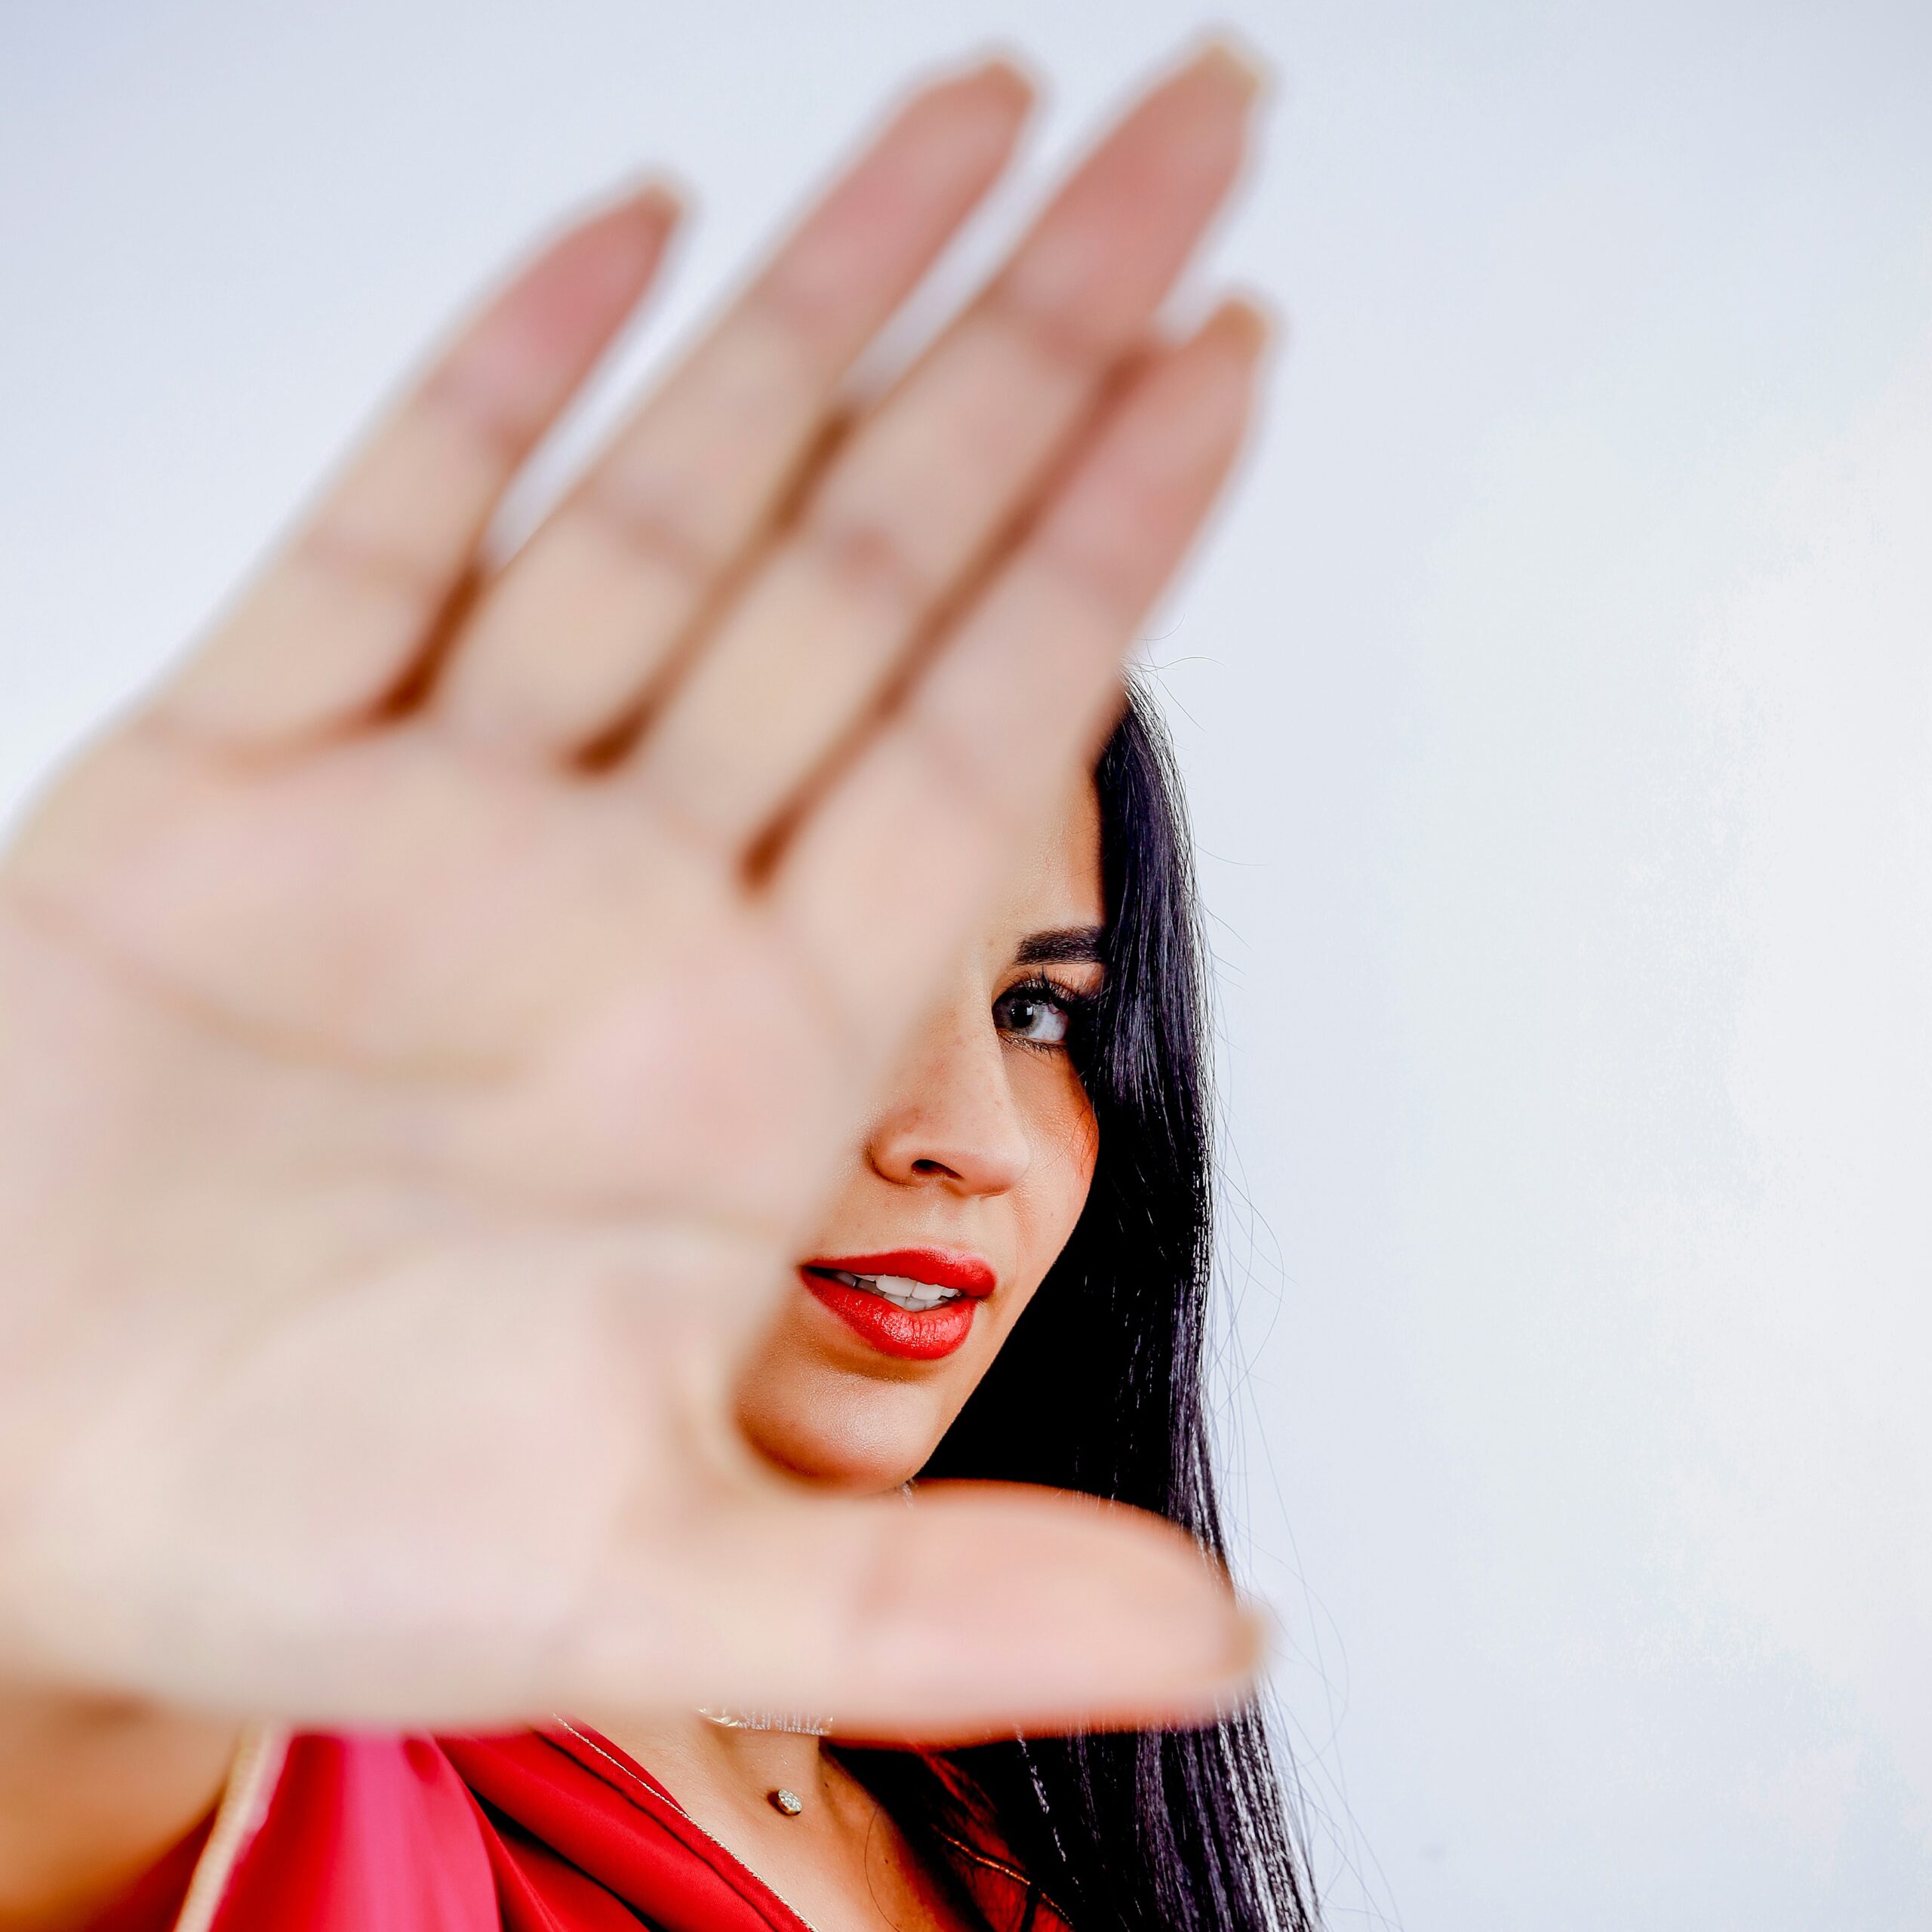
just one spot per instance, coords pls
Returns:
(428, 1025)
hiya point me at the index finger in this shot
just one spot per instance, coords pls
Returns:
(950, 461)
(578, 619)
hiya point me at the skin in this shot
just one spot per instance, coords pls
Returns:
(431, 1026)
(981, 1139)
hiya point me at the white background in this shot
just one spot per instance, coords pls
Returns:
(1555, 697)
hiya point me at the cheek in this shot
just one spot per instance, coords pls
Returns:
(1065, 1142)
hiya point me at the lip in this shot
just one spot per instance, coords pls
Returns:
(944, 1267)
(929, 1336)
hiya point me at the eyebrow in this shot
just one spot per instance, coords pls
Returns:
(1066, 945)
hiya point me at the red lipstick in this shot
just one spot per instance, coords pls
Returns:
(924, 1335)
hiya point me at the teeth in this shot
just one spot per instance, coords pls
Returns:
(904, 1292)
(915, 1298)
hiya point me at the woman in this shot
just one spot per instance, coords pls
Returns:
(430, 1031)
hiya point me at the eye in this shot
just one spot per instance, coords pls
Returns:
(1036, 1012)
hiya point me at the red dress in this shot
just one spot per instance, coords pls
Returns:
(555, 1831)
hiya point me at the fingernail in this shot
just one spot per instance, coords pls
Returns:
(1252, 1636)
(1249, 323)
(1262, 1630)
(1010, 70)
(662, 197)
(1235, 64)
(1002, 73)
(658, 196)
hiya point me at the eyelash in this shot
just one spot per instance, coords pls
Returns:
(1075, 1004)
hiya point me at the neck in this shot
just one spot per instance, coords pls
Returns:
(693, 1758)
(837, 1852)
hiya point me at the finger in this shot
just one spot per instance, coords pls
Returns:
(340, 617)
(928, 484)
(980, 1610)
(913, 838)
(573, 629)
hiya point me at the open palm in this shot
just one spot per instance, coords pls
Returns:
(428, 1027)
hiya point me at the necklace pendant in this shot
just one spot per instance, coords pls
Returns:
(786, 1800)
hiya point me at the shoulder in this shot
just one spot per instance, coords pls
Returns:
(1011, 1901)
(998, 1884)
(307, 1821)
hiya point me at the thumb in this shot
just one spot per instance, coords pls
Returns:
(970, 1612)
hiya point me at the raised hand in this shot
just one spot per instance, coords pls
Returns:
(428, 1025)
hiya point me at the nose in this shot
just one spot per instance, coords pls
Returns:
(950, 1118)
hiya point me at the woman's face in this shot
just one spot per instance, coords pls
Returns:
(972, 1174)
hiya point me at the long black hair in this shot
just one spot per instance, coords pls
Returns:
(1172, 1829)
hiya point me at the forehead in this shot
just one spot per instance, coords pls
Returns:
(1057, 882)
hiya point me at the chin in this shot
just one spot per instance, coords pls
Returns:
(847, 1432)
